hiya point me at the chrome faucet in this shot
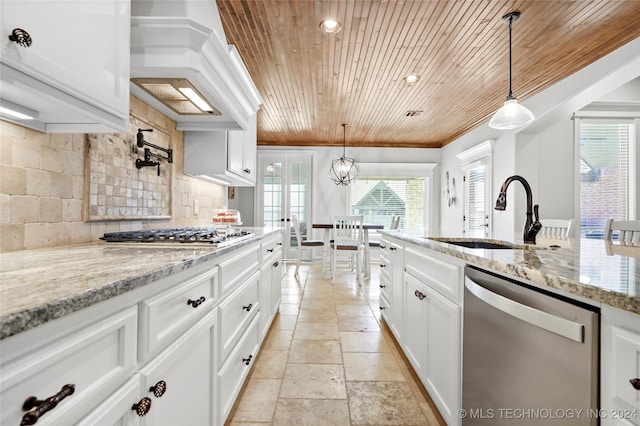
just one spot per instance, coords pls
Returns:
(531, 228)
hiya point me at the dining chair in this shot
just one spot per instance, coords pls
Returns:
(556, 228)
(305, 244)
(347, 236)
(628, 231)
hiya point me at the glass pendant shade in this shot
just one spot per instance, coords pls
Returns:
(344, 170)
(510, 116)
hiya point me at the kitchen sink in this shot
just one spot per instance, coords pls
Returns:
(480, 243)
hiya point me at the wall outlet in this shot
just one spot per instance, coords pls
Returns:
(195, 207)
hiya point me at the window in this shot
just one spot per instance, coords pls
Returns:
(605, 173)
(378, 198)
(382, 191)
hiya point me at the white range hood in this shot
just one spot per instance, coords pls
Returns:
(177, 40)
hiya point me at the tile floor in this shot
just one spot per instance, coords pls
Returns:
(328, 361)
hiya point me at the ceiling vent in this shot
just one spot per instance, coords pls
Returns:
(177, 94)
(412, 113)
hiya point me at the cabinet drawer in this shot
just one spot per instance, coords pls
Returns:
(235, 370)
(385, 285)
(442, 276)
(166, 316)
(385, 265)
(385, 309)
(234, 269)
(94, 359)
(236, 312)
(269, 248)
(626, 365)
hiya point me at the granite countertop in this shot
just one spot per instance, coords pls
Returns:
(37, 286)
(590, 269)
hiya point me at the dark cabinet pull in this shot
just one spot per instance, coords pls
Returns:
(197, 302)
(37, 408)
(159, 389)
(382, 308)
(276, 264)
(419, 295)
(279, 244)
(383, 247)
(142, 407)
(382, 265)
(21, 37)
(247, 360)
(382, 286)
(248, 307)
(270, 250)
(635, 383)
(392, 248)
(247, 171)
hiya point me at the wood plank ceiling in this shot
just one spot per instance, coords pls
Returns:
(311, 82)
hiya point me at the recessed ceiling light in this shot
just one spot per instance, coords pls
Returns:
(330, 26)
(411, 79)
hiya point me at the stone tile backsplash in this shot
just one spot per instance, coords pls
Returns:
(46, 198)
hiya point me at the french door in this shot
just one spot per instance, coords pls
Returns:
(284, 189)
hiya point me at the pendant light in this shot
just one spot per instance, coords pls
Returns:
(511, 115)
(344, 170)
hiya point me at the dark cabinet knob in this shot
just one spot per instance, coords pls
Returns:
(37, 408)
(142, 407)
(635, 383)
(270, 250)
(21, 37)
(276, 264)
(383, 247)
(382, 286)
(247, 360)
(382, 265)
(159, 389)
(247, 171)
(382, 308)
(248, 307)
(392, 248)
(197, 302)
(419, 295)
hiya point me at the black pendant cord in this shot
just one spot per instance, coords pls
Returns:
(510, 96)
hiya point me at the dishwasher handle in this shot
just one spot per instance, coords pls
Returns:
(560, 326)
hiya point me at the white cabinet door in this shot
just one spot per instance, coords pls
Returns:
(75, 74)
(188, 371)
(241, 151)
(415, 322)
(443, 355)
(117, 409)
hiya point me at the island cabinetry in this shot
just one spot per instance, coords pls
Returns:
(270, 281)
(433, 325)
(74, 71)
(391, 298)
(620, 367)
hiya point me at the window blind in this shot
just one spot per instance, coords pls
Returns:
(604, 174)
(475, 207)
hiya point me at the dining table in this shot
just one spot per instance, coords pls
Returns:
(365, 234)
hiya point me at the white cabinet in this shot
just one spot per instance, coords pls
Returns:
(620, 363)
(94, 359)
(391, 285)
(75, 74)
(197, 331)
(432, 325)
(225, 157)
(242, 151)
(189, 373)
(270, 282)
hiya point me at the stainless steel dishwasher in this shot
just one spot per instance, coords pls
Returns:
(529, 357)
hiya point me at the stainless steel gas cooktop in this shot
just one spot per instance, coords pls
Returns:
(216, 237)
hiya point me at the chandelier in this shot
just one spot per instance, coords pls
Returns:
(344, 170)
(511, 115)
